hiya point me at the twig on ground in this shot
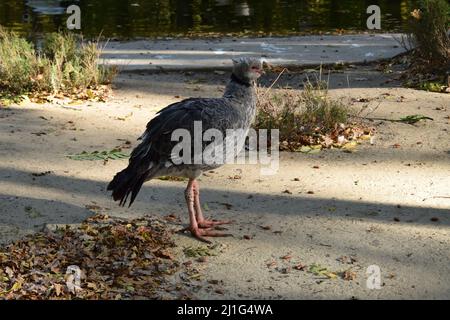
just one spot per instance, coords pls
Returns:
(436, 197)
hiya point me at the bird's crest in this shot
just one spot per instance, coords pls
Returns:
(245, 60)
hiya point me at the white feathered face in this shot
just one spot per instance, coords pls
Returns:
(248, 69)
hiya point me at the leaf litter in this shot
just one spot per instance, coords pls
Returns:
(290, 263)
(117, 259)
(203, 251)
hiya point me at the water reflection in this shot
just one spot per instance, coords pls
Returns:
(46, 7)
(242, 10)
(135, 18)
(222, 2)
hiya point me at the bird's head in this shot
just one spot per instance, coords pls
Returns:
(247, 70)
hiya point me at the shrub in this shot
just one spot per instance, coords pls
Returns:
(63, 64)
(428, 29)
(21, 69)
(74, 65)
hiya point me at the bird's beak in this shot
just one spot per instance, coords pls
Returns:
(260, 71)
(267, 65)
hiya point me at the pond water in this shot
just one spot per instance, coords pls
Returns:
(139, 18)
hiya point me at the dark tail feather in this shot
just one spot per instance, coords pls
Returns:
(129, 180)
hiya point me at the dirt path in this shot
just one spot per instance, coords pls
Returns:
(381, 205)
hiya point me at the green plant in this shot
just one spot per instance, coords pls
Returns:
(319, 270)
(411, 119)
(432, 86)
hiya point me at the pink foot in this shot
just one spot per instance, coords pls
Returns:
(205, 224)
(200, 233)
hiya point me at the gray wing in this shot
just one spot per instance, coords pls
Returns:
(156, 145)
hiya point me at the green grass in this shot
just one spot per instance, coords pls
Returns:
(412, 119)
(63, 64)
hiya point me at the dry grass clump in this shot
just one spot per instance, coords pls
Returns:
(306, 118)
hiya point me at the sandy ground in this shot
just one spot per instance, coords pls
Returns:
(380, 205)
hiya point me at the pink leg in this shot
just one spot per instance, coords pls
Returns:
(193, 224)
(202, 222)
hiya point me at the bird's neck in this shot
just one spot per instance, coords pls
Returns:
(240, 91)
(239, 81)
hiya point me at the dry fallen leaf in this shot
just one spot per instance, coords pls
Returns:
(117, 259)
(349, 275)
(58, 289)
(300, 267)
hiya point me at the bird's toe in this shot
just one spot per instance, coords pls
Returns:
(201, 233)
(212, 223)
(198, 234)
(211, 233)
